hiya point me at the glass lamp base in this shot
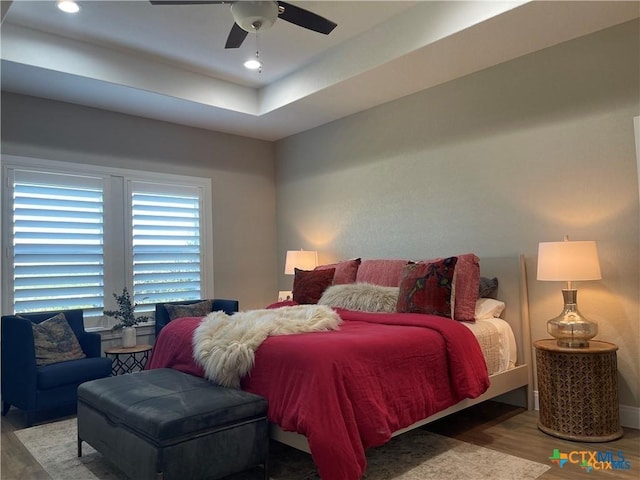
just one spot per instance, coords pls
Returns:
(570, 328)
(573, 343)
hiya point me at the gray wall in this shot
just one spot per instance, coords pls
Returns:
(492, 163)
(241, 171)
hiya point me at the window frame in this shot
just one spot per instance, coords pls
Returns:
(117, 224)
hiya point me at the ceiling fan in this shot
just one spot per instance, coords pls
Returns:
(251, 17)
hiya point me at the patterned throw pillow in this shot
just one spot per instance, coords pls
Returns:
(426, 287)
(200, 309)
(346, 270)
(309, 285)
(55, 342)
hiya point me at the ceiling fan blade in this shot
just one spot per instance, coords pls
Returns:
(236, 37)
(185, 2)
(306, 19)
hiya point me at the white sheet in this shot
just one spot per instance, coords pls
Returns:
(497, 342)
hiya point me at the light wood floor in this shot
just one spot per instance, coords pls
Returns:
(500, 427)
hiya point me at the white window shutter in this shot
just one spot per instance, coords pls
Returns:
(166, 250)
(58, 253)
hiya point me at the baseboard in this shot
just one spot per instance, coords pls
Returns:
(629, 416)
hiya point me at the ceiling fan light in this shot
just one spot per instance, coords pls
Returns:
(68, 6)
(254, 16)
(253, 64)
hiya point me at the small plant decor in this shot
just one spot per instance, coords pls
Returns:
(126, 311)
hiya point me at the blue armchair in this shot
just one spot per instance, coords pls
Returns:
(162, 316)
(37, 390)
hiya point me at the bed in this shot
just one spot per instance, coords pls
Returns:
(315, 403)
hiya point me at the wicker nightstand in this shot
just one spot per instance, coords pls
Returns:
(578, 391)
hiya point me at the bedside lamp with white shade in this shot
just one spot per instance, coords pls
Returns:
(569, 261)
(300, 259)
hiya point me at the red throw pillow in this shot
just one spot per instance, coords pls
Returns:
(345, 271)
(386, 273)
(466, 287)
(426, 287)
(309, 285)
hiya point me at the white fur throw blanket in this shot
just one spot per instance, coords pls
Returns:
(224, 345)
(365, 297)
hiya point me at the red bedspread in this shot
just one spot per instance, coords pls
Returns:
(349, 390)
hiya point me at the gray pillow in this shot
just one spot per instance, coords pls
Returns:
(488, 288)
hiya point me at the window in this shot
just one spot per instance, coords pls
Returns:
(75, 234)
(58, 255)
(166, 243)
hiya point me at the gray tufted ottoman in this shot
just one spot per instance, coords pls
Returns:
(165, 424)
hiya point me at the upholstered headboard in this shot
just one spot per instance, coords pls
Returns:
(218, 304)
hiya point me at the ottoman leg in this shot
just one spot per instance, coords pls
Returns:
(266, 462)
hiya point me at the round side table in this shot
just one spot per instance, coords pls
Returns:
(578, 391)
(127, 360)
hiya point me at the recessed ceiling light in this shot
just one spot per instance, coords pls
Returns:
(68, 6)
(253, 64)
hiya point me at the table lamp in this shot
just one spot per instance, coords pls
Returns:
(300, 259)
(569, 261)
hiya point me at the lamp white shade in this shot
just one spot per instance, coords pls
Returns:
(568, 261)
(300, 259)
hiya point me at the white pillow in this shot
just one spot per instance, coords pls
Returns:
(488, 308)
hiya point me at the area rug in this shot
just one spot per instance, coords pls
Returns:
(416, 455)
